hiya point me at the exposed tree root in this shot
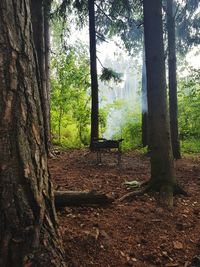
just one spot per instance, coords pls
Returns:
(133, 194)
(146, 187)
(52, 155)
(178, 190)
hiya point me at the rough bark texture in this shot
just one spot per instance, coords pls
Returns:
(39, 24)
(162, 169)
(47, 9)
(93, 74)
(28, 227)
(173, 105)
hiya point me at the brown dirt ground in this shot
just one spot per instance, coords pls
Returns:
(139, 233)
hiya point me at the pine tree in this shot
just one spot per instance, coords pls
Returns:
(28, 228)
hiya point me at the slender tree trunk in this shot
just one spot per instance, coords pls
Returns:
(93, 74)
(173, 106)
(144, 103)
(38, 22)
(28, 229)
(162, 169)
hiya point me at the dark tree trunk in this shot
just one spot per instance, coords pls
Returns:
(162, 169)
(28, 229)
(38, 23)
(93, 74)
(47, 9)
(173, 106)
(144, 103)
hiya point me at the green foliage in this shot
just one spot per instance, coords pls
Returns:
(189, 106)
(109, 74)
(70, 72)
(189, 112)
(130, 130)
(71, 11)
(121, 18)
(103, 113)
(190, 145)
(70, 100)
(134, 185)
(188, 21)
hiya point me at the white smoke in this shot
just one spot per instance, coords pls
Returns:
(124, 93)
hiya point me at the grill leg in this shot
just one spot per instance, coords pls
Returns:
(119, 157)
(99, 160)
(97, 156)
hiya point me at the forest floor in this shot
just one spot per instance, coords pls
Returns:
(137, 233)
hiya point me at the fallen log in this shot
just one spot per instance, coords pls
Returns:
(81, 198)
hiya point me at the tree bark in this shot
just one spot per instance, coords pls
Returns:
(39, 21)
(76, 198)
(29, 233)
(93, 74)
(173, 102)
(144, 103)
(162, 170)
(47, 9)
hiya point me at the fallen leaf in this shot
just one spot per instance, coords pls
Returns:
(97, 233)
(177, 245)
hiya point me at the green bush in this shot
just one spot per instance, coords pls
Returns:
(191, 145)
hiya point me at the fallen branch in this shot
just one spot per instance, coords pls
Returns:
(132, 194)
(81, 198)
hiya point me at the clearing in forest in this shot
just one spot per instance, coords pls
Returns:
(138, 233)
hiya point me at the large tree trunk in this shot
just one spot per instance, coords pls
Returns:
(144, 103)
(28, 229)
(93, 74)
(162, 169)
(39, 22)
(173, 106)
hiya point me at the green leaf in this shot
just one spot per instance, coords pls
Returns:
(132, 184)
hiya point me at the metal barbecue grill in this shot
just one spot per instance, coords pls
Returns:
(100, 145)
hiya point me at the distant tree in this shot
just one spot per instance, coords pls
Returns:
(163, 177)
(172, 79)
(182, 19)
(93, 74)
(70, 96)
(100, 23)
(124, 18)
(85, 11)
(28, 228)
